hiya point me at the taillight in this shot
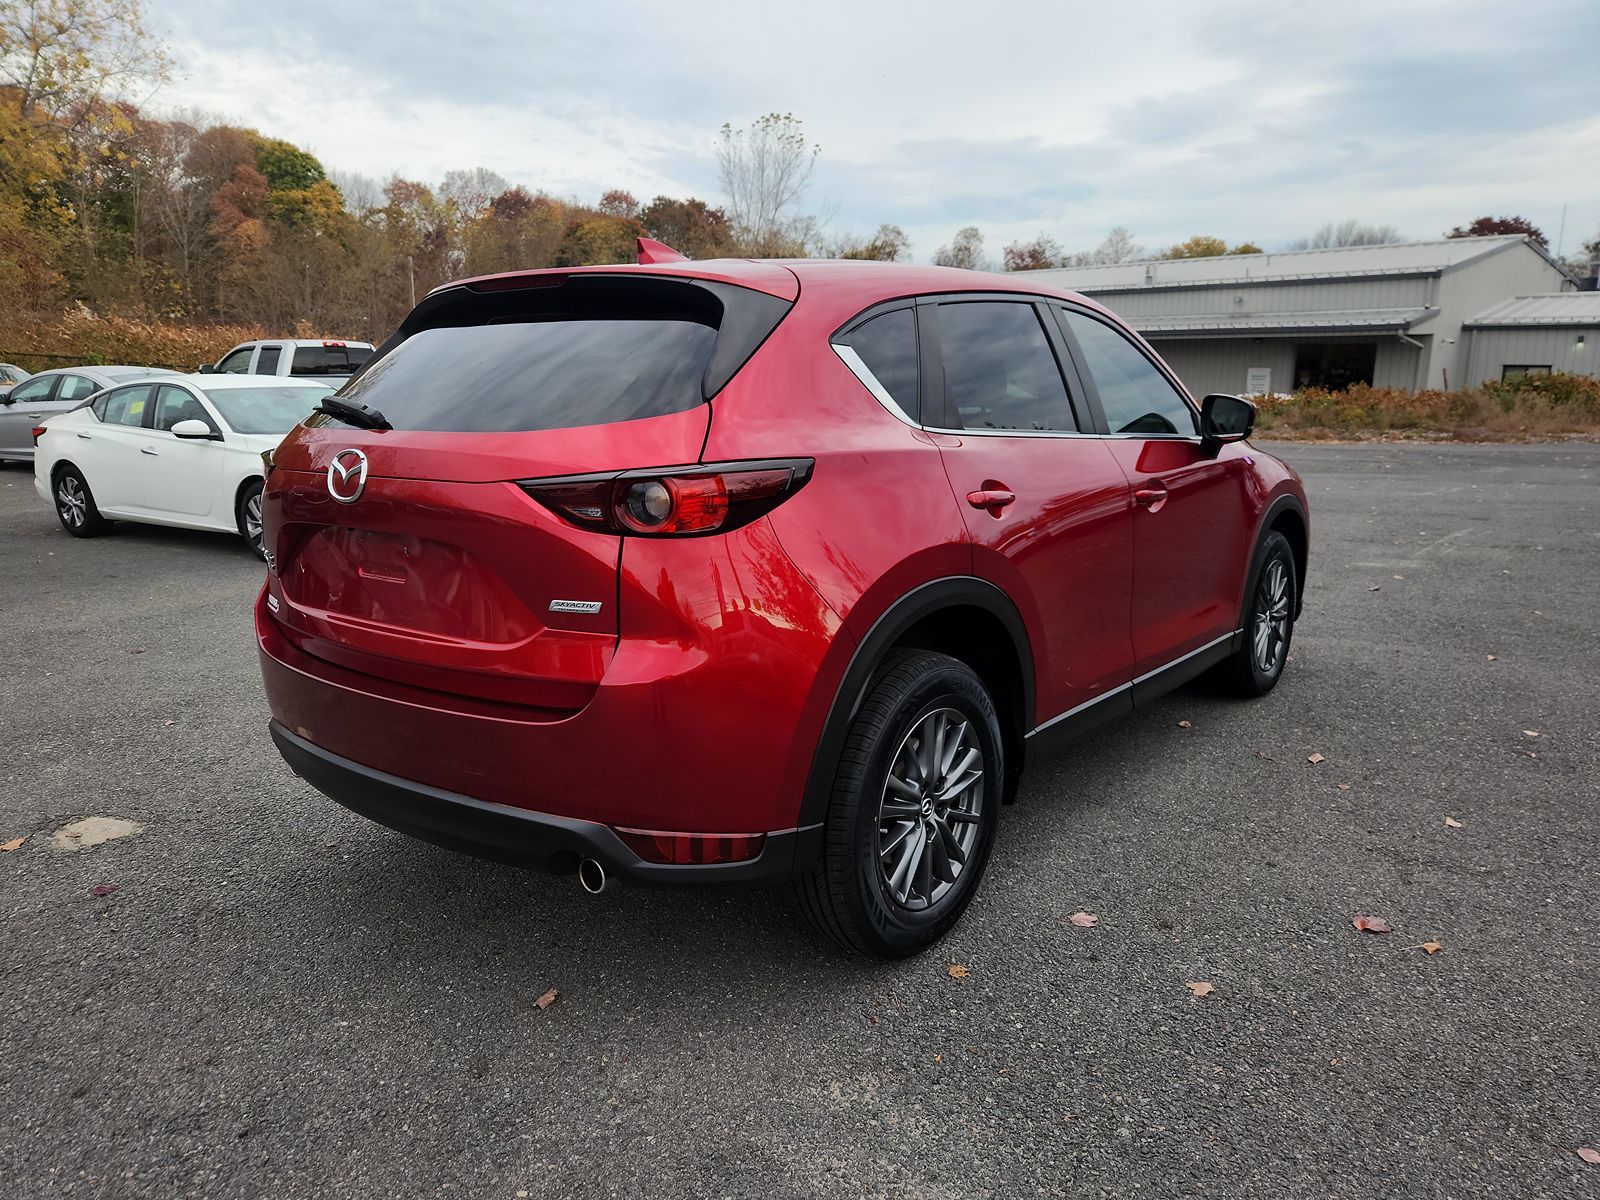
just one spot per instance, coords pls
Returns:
(268, 462)
(38, 432)
(680, 848)
(672, 501)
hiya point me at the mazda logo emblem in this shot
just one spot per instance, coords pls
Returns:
(347, 475)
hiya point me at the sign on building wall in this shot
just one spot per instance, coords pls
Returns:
(1257, 381)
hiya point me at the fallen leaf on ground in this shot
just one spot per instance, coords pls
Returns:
(1377, 587)
(955, 971)
(1399, 576)
(1183, 725)
(1588, 1155)
(104, 889)
(1368, 924)
(1530, 733)
(1200, 989)
(546, 1000)
(1452, 823)
(1084, 920)
(1432, 947)
(1492, 658)
(1343, 787)
(14, 844)
(1315, 758)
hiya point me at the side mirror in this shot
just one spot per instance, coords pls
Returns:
(206, 369)
(195, 431)
(1225, 419)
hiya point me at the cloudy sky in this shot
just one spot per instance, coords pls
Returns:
(1256, 121)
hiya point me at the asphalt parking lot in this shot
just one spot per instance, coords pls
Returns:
(280, 999)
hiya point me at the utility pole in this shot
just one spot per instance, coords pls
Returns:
(411, 274)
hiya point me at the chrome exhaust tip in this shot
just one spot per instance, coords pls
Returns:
(591, 876)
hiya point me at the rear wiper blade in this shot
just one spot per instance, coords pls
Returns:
(352, 413)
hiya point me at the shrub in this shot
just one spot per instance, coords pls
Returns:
(1531, 405)
(79, 337)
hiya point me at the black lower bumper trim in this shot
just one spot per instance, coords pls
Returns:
(517, 835)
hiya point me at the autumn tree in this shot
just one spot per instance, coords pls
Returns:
(965, 250)
(1036, 255)
(599, 239)
(1490, 226)
(765, 169)
(691, 227)
(1201, 245)
(888, 244)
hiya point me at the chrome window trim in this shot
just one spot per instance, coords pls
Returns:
(861, 371)
(1022, 433)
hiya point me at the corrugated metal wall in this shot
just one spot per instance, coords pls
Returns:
(1331, 295)
(1223, 364)
(1492, 350)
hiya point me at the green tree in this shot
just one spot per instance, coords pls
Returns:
(287, 168)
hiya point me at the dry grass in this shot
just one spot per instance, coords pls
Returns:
(1532, 408)
(79, 337)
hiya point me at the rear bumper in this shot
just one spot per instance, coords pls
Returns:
(518, 835)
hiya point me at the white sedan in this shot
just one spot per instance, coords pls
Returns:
(182, 450)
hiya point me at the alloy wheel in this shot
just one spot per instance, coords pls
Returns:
(930, 809)
(252, 520)
(1271, 632)
(71, 503)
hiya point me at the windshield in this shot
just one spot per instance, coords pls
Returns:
(266, 409)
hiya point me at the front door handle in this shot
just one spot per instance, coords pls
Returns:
(148, 450)
(88, 437)
(992, 499)
(1152, 496)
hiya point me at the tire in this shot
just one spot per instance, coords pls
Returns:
(1255, 668)
(247, 516)
(74, 504)
(871, 890)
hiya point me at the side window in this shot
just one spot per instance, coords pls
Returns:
(1136, 397)
(237, 363)
(34, 391)
(267, 361)
(887, 347)
(123, 406)
(75, 388)
(174, 404)
(999, 370)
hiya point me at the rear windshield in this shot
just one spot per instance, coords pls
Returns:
(266, 409)
(328, 360)
(590, 351)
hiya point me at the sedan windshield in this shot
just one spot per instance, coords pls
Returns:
(266, 409)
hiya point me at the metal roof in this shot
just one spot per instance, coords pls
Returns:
(1344, 262)
(1555, 308)
(1350, 320)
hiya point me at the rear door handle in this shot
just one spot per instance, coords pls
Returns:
(993, 499)
(88, 437)
(148, 450)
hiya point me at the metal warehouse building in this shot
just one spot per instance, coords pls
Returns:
(1394, 316)
(1535, 334)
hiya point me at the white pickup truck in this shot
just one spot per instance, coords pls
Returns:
(327, 361)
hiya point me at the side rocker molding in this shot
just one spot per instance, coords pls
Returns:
(923, 601)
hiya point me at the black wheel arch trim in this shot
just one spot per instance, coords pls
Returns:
(892, 624)
(1287, 502)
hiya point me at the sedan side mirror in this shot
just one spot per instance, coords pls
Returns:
(195, 431)
(1225, 419)
(206, 369)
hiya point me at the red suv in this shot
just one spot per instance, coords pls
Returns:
(752, 571)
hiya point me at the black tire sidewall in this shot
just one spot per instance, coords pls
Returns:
(895, 931)
(1273, 548)
(92, 521)
(253, 488)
